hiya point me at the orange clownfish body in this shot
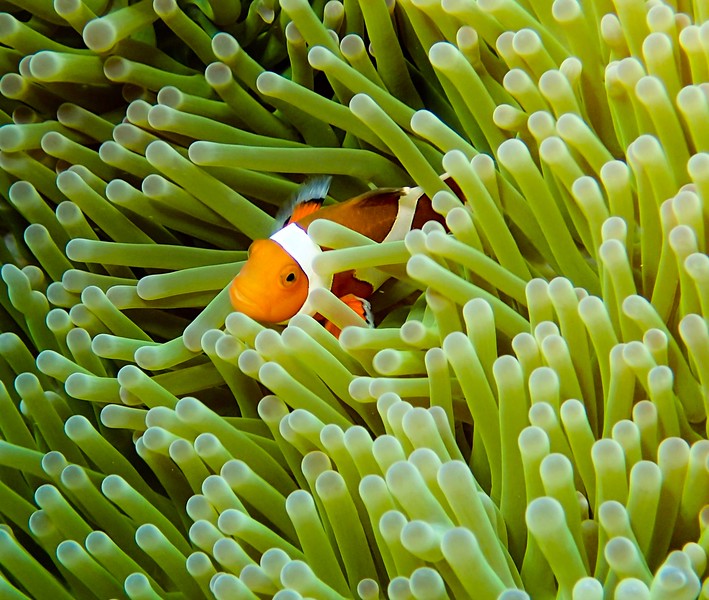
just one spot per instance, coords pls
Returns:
(273, 285)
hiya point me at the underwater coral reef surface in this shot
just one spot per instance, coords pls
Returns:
(528, 417)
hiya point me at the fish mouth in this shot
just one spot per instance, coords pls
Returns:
(242, 302)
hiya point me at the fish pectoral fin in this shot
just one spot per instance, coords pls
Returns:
(360, 306)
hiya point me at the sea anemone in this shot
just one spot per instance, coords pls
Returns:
(528, 417)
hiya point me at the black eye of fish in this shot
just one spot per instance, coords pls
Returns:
(290, 277)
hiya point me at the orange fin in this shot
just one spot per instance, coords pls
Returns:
(310, 198)
(361, 306)
(303, 209)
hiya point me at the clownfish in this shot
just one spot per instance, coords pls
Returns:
(273, 285)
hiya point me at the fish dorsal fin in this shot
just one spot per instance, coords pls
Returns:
(308, 199)
(303, 209)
